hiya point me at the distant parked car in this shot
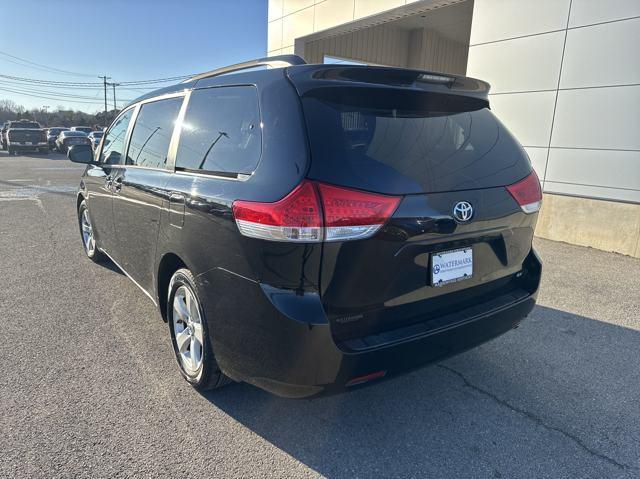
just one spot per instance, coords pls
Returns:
(95, 137)
(3, 135)
(52, 135)
(84, 129)
(25, 135)
(69, 138)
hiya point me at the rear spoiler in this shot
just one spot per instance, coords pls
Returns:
(310, 77)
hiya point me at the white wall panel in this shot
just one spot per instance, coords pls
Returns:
(599, 55)
(333, 12)
(296, 25)
(291, 6)
(598, 118)
(275, 10)
(602, 192)
(523, 64)
(586, 12)
(538, 157)
(500, 19)
(602, 168)
(527, 115)
(274, 35)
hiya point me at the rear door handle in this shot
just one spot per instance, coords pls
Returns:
(176, 209)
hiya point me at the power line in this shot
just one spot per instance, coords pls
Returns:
(66, 83)
(23, 88)
(61, 87)
(52, 82)
(48, 97)
(40, 66)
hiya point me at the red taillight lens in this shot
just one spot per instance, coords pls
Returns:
(296, 217)
(351, 214)
(315, 212)
(527, 193)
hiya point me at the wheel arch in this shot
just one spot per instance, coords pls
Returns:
(79, 200)
(169, 264)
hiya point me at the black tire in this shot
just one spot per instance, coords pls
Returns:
(94, 254)
(208, 375)
(10, 150)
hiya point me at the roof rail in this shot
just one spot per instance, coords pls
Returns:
(274, 62)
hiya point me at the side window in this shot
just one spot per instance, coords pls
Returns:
(221, 131)
(114, 139)
(152, 133)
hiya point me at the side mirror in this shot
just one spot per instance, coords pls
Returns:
(81, 154)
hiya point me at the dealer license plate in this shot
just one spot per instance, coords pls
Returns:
(451, 266)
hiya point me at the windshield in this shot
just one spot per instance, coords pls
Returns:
(402, 141)
(24, 124)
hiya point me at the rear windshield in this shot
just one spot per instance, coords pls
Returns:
(24, 124)
(74, 133)
(403, 142)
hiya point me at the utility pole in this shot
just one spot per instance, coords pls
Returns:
(104, 80)
(114, 85)
(45, 108)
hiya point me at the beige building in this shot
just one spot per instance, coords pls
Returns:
(565, 78)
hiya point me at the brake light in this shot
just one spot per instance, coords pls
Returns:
(527, 193)
(296, 217)
(315, 212)
(351, 214)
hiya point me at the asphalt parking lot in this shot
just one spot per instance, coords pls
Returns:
(89, 387)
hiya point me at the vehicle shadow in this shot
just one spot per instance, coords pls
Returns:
(557, 397)
(111, 266)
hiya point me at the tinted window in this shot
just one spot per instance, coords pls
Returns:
(405, 142)
(24, 124)
(114, 141)
(152, 133)
(221, 131)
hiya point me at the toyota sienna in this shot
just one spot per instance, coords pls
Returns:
(309, 228)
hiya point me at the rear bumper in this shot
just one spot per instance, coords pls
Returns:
(282, 342)
(23, 147)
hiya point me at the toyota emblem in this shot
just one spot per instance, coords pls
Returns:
(463, 211)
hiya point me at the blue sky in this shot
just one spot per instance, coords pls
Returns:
(125, 39)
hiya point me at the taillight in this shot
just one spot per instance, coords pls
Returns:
(527, 193)
(351, 214)
(296, 217)
(315, 212)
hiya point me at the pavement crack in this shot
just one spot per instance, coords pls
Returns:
(537, 420)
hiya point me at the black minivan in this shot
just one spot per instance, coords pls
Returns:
(310, 228)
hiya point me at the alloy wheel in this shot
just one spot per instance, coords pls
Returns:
(87, 233)
(187, 328)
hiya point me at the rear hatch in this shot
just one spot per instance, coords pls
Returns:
(431, 141)
(26, 135)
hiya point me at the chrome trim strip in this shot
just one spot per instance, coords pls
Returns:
(241, 177)
(177, 133)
